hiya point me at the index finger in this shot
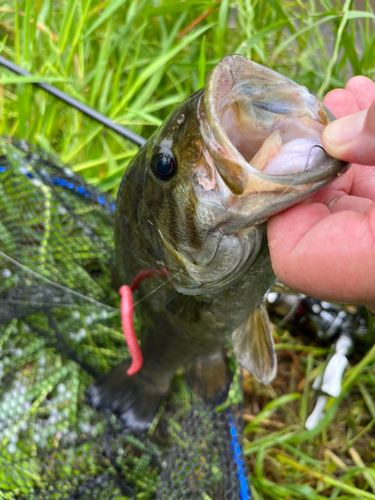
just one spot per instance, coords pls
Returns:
(363, 90)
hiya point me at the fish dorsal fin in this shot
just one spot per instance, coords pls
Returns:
(253, 346)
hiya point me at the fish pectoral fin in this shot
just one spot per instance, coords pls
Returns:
(253, 346)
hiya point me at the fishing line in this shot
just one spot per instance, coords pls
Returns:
(157, 288)
(41, 304)
(73, 292)
(57, 285)
(71, 306)
(87, 110)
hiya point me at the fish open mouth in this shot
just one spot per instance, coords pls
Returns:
(263, 130)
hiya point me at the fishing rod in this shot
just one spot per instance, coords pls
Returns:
(87, 110)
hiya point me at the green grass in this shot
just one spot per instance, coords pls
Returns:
(334, 460)
(134, 61)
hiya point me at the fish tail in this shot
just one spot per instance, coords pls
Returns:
(134, 399)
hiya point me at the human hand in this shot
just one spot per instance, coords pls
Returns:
(325, 246)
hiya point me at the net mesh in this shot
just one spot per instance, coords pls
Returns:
(205, 460)
(60, 326)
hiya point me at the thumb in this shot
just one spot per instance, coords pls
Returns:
(352, 138)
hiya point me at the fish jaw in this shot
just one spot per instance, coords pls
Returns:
(263, 133)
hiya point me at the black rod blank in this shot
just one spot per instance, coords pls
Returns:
(92, 113)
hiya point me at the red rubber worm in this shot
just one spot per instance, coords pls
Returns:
(127, 316)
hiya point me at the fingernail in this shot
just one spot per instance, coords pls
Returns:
(272, 243)
(345, 130)
(332, 202)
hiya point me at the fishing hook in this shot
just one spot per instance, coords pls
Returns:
(306, 167)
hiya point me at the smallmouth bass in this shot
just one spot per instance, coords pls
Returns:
(195, 201)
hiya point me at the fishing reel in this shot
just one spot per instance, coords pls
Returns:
(323, 323)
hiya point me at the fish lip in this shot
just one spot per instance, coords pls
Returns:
(209, 119)
(332, 168)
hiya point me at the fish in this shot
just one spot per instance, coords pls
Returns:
(194, 203)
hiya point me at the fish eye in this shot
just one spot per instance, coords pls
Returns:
(163, 166)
